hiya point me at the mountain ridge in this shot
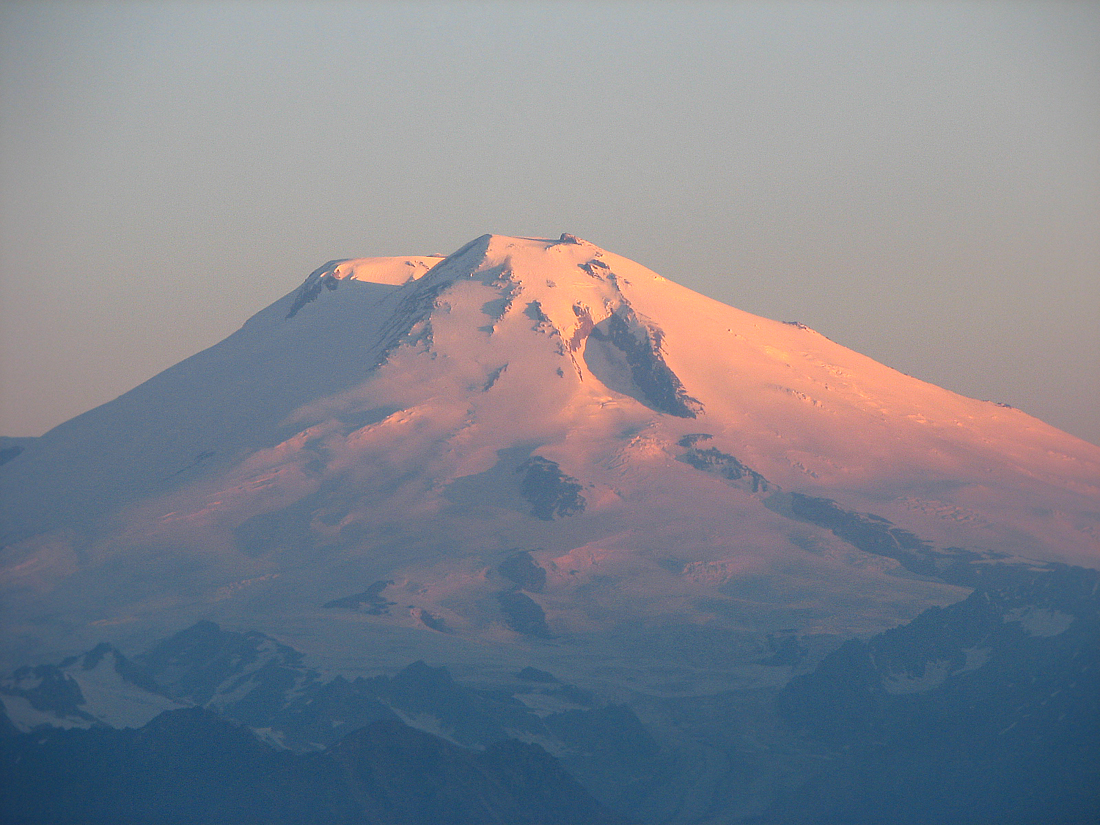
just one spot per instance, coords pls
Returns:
(416, 420)
(720, 567)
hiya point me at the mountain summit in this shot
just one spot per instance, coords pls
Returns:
(530, 452)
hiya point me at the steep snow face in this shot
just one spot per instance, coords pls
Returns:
(390, 271)
(101, 687)
(357, 467)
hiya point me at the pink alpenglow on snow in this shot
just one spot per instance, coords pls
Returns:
(402, 427)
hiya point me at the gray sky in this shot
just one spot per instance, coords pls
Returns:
(918, 181)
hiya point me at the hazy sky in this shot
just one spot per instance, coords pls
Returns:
(918, 181)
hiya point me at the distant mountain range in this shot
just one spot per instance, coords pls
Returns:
(532, 506)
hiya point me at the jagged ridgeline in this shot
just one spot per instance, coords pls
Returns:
(529, 515)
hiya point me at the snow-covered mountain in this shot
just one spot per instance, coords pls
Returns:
(530, 449)
(536, 456)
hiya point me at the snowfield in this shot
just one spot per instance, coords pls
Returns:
(403, 426)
